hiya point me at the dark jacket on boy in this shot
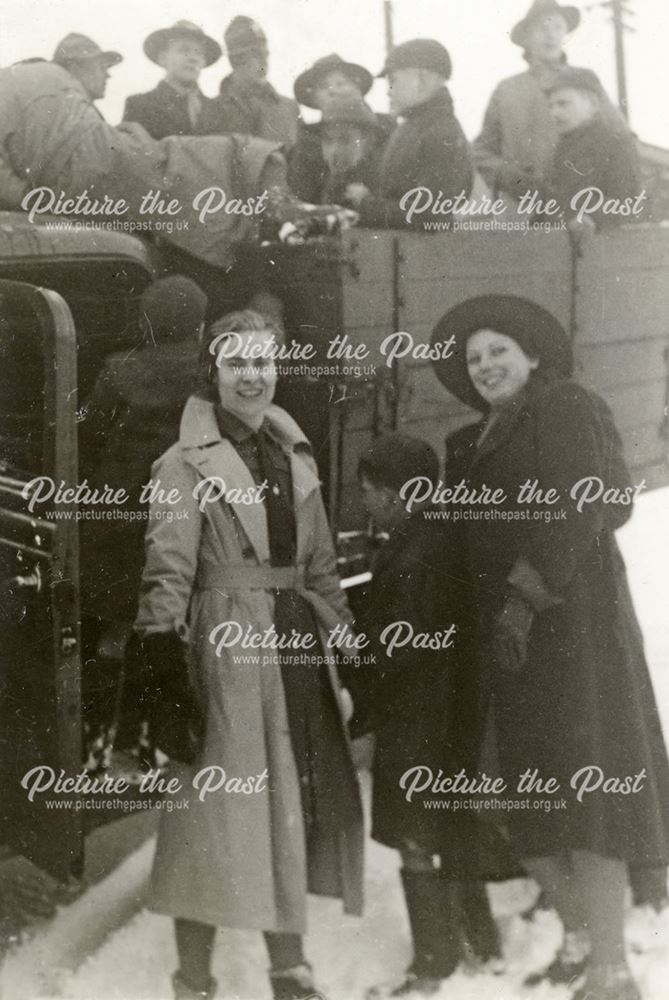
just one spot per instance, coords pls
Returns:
(428, 149)
(595, 155)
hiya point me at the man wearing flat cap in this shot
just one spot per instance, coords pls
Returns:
(177, 106)
(428, 149)
(517, 143)
(86, 61)
(248, 103)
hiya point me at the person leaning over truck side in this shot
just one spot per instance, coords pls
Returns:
(52, 138)
(247, 101)
(515, 148)
(257, 558)
(352, 142)
(558, 641)
(177, 106)
(86, 61)
(428, 149)
(329, 81)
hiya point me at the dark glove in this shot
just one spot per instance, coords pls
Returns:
(165, 697)
(511, 633)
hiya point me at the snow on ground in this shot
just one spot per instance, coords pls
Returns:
(350, 955)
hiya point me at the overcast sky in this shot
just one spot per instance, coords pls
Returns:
(475, 31)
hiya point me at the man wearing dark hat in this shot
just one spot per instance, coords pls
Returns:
(330, 81)
(177, 106)
(248, 103)
(86, 61)
(428, 149)
(351, 145)
(55, 146)
(331, 78)
(591, 152)
(517, 142)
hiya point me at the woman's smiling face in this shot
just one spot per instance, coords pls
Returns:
(498, 366)
(246, 384)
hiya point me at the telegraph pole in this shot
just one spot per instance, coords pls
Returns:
(620, 11)
(388, 23)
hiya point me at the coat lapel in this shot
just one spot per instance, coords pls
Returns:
(213, 456)
(500, 430)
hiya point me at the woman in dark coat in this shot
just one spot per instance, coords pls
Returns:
(560, 651)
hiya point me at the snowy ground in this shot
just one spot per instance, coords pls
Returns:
(350, 955)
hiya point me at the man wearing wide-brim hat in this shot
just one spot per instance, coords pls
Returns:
(351, 145)
(428, 149)
(331, 77)
(330, 81)
(177, 106)
(517, 142)
(85, 60)
(53, 139)
(247, 101)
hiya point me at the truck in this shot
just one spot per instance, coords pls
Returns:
(366, 301)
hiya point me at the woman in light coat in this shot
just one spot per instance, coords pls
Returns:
(255, 561)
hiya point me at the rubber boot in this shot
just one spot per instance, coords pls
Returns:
(434, 916)
(479, 929)
(182, 991)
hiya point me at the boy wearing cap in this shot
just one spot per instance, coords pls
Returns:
(428, 149)
(515, 149)
(177, 106)
(87, 62)
(418, 707)
(591, 152)
(247, 101)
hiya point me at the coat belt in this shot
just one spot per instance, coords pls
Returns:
(244, 577)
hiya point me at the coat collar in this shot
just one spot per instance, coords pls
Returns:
(440, 102)
(532, 397)
(165, 88)
(213, 456)
(260, 90)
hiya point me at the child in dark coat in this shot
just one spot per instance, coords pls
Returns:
(417, 711)
(428, 150)
(592, 153)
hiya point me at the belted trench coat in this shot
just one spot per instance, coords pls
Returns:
(238, 859)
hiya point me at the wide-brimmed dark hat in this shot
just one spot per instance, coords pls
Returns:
(310, 80)
(534, 328)
(419, 53)
(157, 40)
(350, 111)
(538, 11)
(79, 48)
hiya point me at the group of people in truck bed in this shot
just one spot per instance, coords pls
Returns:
(550, 130)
